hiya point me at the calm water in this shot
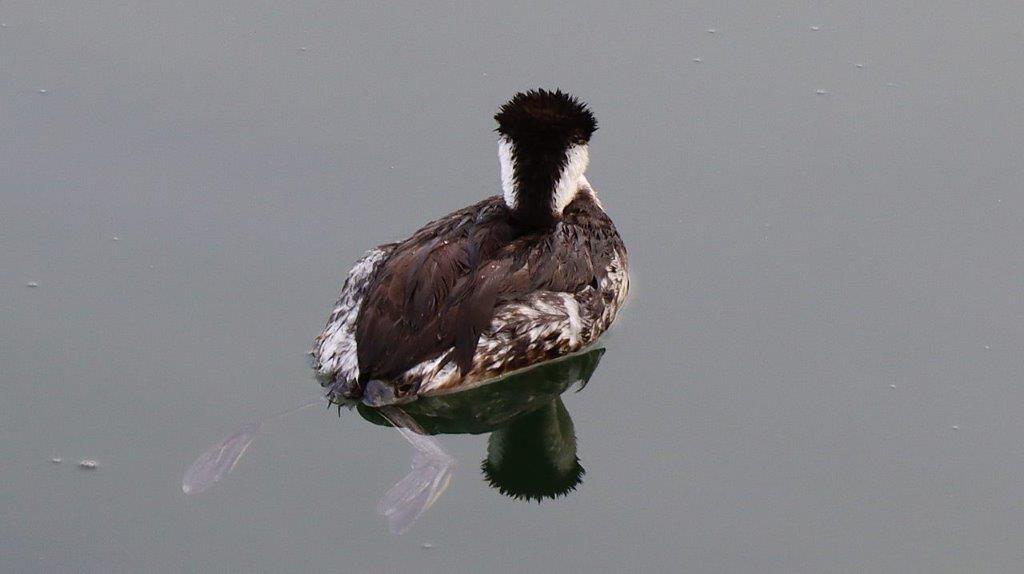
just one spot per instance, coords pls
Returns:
(820, 368)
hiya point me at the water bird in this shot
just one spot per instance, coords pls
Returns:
(536, 273)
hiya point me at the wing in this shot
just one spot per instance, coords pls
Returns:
(416, 300)
(438, 291)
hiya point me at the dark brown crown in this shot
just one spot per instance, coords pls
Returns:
(540, 116)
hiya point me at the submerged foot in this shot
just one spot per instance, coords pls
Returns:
(343, 389)
(380, 393)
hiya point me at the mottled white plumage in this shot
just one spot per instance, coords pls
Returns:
(334, 350)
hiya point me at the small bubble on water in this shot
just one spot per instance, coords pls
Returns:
(32, 284)
(820, 92)
(88, 463)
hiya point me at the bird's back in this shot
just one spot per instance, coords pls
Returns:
(438, 291)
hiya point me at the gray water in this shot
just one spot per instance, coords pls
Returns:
(819, 369)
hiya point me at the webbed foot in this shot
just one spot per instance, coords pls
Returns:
(379, 393)
(339, 389)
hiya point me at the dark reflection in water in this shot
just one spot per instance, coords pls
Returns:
(531, 451)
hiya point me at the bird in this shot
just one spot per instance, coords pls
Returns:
(536, 273)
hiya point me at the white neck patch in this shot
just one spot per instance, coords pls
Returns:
(571, 178)
(568, 184)
(508, 186)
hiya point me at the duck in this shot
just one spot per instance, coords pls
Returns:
(536, 273)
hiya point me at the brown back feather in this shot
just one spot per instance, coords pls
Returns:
(439, 289)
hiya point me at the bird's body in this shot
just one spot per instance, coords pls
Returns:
(511, 281)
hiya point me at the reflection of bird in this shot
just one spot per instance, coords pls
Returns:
(534, 456)
(531, 453)
(534, 274)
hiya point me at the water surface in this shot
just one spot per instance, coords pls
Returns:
(819, 369)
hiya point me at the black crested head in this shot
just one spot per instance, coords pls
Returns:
(540, 116)
(539, 131)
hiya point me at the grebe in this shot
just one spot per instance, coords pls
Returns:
(536, 273)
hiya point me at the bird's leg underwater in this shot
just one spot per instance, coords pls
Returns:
(379, 393)
(347, 389)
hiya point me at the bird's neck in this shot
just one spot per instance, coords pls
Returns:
(538, 181)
